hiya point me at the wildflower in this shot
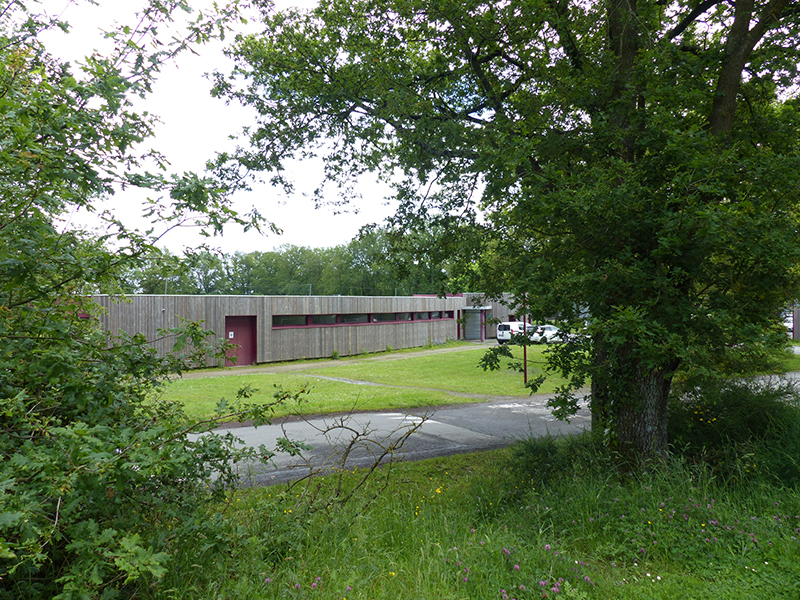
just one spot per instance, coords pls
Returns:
(268, 580)
(516, 567)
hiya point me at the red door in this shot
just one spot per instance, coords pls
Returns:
(242, 332)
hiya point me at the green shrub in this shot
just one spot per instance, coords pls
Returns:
(741, 428)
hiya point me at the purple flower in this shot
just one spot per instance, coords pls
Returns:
(268, 580)
(547, 546)
(516, 567)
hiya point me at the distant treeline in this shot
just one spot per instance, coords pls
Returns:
(364, 267)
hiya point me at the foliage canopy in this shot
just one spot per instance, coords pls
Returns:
(627, 169)
(98, 483)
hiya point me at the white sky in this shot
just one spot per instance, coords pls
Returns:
(195, 126)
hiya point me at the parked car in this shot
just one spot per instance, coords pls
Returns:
(546, 333)
(508, 329)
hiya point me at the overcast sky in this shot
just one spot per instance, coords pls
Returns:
(195, 126)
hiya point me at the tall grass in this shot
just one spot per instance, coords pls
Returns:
(545, 518)
(490, 525)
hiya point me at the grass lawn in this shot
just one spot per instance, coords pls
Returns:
(201, 396)
(405, 382)
(472, 527)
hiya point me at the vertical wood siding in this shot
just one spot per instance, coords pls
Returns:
(147, 314)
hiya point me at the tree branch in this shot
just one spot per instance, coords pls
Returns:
(691, 18)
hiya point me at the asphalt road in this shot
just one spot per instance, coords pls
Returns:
(361, 439)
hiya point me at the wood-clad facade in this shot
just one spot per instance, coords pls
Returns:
(296, 327)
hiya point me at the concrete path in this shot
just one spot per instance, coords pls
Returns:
(305, 365)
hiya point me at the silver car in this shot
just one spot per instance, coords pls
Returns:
(545, 334)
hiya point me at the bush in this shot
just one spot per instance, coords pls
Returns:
(98, 484)
(740, 428)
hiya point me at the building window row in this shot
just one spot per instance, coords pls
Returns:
(279, 321)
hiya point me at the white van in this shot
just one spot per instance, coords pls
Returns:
(507, 329)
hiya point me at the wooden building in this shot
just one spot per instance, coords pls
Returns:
(280, 328)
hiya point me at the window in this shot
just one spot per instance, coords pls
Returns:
(354, 319)
(323, 319)
(288, 320)
(279, 321)
(383, 317)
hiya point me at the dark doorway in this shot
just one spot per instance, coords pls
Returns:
(241, 331)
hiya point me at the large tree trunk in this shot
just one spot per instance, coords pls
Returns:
(641, 419)
(629, 404)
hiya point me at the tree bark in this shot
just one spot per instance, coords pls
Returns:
(641, 419)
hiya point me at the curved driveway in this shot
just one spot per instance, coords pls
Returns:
(364, 438)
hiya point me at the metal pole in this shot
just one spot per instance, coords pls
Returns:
(525, 347)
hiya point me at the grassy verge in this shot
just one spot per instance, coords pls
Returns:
(403, 382)
(791, 362)
(477, 527)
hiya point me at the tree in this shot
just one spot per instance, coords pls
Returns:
(629, 169)
(99, 483)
